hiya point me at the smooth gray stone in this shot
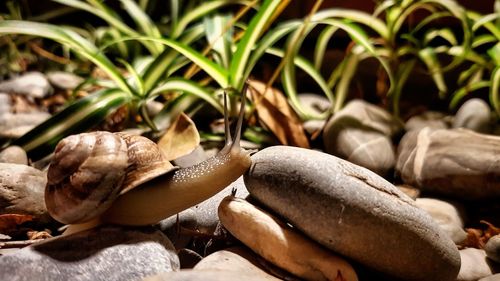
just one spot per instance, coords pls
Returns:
(106, 253)
(205, 275)
(361, 133)
(474, 265)
(448, 215)
(64, 80)
(474, 114)
(172, 225)
(492, 248)
(22, 191)
(202, 217)
(314, 102)
(32, 84)
(454, 162)
(14, 125)
(494, 277)
(352, 211)
(371, 116)
(206, 211)
(431, 119)
(237, 259)
(14, 154)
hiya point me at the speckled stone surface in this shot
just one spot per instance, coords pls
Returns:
(107, 253)
(352, 211)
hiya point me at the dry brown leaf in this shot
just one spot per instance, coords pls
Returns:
(277, 115)
(477, 238)
(180, 139)
(9, 222)
(35, 235)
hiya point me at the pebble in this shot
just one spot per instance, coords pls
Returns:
(14, 154)
(14, 125)
(238, 259)
(64, 80)
(281, 245)
(205, 275)
(492, 248)
(474, 114)
(448, 216)
(22, 191)
(352, 211)
(474, 265)
(458, 163)
(317, 104)
(431, 119)
(361, 133)
(106, 253)
(32, 84)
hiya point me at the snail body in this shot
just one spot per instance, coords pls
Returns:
(125, 179)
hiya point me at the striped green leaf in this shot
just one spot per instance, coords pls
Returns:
(188, 86)
(459, 94)
(77, 117)
(244, 47)
(495, 90)
(429, 58)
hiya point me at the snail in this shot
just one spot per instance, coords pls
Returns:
(103, 177)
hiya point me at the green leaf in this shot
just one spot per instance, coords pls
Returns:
(444, 33)
(290, 90)
(428, 56)
(184, 85)
(322, 44)
(77, 117)
(355, 16)
(403, 73)
(464, 91)
(69, 39)
(243, 49)
(200, 11)
(219, 36)
(156, 70)
(495, 90)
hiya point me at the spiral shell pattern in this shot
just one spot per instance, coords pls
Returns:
(85, 176)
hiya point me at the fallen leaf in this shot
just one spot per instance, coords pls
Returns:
(9, 222)
(35, 235)
(477, 238)
(276, 114)
(180, 139)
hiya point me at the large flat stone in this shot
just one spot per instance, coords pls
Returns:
(352, 211)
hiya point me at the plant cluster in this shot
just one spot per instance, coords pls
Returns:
(202, 47)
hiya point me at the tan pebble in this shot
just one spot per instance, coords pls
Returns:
(280, 244)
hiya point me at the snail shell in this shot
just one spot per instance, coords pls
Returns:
(90, 170)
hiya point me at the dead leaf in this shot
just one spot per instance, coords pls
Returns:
(180, 139)
(276, 114)
(9, 222)
(477, 238)
(35, 235)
